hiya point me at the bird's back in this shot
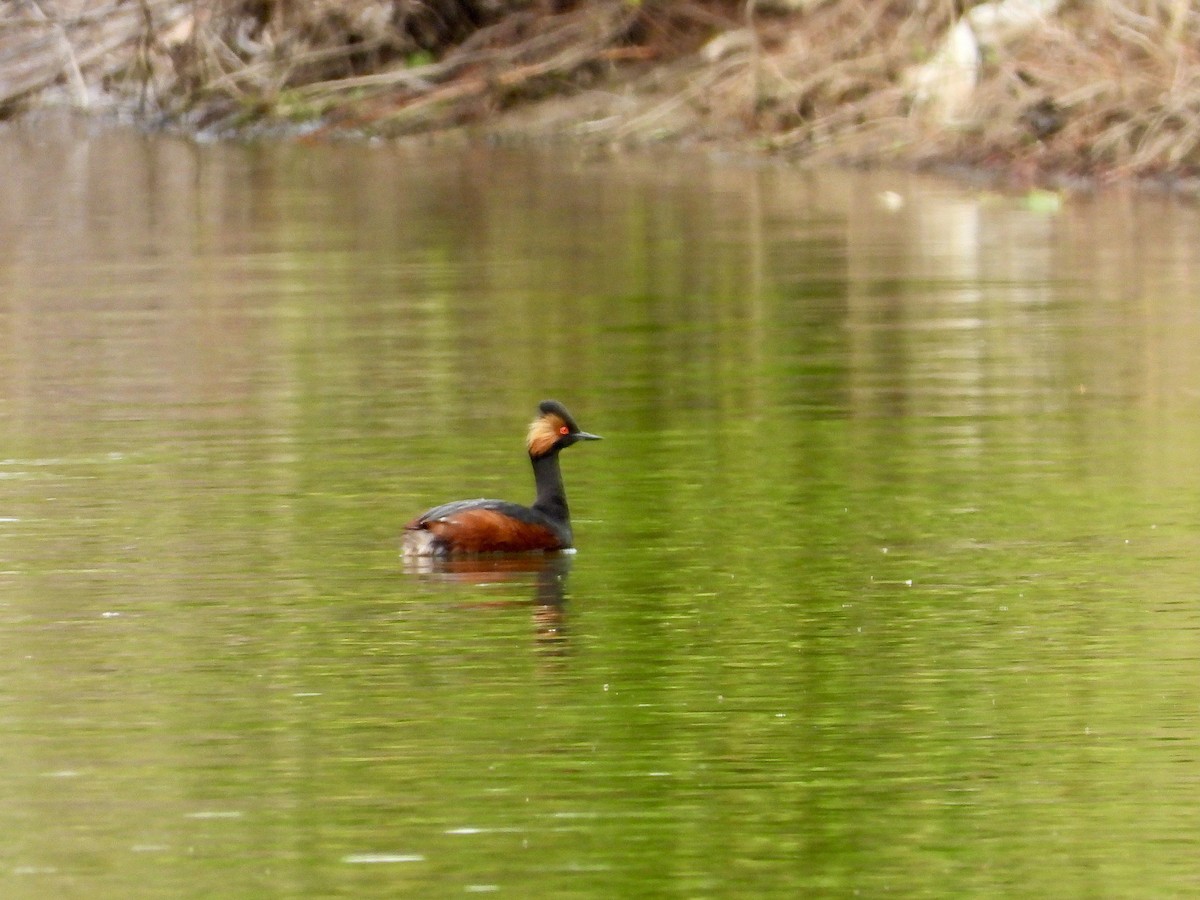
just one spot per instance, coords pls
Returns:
(483, 526)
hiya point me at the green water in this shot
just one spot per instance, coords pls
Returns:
(886, 582)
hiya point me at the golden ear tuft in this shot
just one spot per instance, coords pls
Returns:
(544, 432)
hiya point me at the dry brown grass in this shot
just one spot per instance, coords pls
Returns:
(1106, 88)
(1103, 88)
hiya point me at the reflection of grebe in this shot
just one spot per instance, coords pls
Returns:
(497, 526)
(549, 597)
(487, 569)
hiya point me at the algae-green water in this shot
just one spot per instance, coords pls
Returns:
(886, 571)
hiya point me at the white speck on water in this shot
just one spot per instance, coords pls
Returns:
(109, 615)
(307, 694)
(468, 829)
(382, 858)
(62, 773)
(606, 687)
(885, 549)
(481, 888)
(214, 814)
(908, 582)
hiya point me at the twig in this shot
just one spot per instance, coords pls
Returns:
(644, 121)
(74, 74)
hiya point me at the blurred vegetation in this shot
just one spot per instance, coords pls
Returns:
(1105, 88)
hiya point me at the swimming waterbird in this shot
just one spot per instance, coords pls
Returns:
(498, 526)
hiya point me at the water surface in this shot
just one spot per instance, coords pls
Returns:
(886, 571)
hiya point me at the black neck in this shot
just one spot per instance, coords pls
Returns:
(551, 497)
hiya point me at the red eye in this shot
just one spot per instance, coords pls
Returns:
(564, 430)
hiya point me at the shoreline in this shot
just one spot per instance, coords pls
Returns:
(1012, 94)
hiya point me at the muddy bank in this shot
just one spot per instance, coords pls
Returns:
(1035, 90)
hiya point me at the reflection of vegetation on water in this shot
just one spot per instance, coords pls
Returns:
(853, 602)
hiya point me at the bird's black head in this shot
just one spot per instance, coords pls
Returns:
(554, 429)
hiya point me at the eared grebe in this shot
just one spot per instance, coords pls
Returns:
(497, 526)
